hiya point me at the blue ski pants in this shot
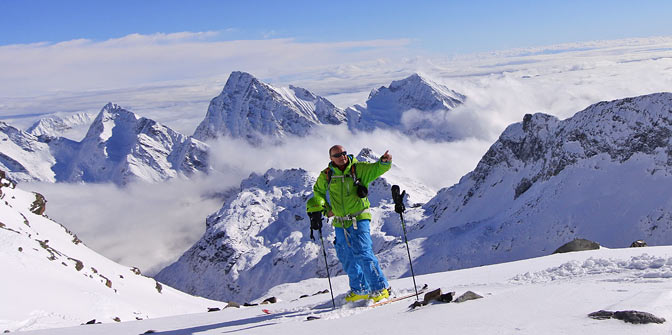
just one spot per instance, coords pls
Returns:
(355, 251)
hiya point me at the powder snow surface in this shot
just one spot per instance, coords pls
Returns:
(546, 295)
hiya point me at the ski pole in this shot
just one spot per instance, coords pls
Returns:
(324, 252)
(400, 208)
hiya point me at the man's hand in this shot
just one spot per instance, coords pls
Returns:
(315, 220)
(386, 157)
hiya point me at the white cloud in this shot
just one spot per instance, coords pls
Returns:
(136, 59)
(143, 225)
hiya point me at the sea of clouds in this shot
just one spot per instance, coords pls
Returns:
(151, 225)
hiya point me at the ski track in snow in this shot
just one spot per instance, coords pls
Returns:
(637, 268)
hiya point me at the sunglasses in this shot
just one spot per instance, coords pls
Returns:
(340, 154)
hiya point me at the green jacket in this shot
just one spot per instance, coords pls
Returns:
(343, 199)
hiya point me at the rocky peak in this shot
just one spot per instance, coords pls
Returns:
(367, 155)
(415, 105)
(414, 92)
(252, 110)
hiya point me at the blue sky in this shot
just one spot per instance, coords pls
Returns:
(433, 26)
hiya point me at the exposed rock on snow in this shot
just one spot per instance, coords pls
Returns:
(252, 110)
(578, 244)
(469, 295)
(635, 317)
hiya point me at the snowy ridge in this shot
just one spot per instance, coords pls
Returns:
(603, 174)
(24, 156)
(415, 105)
(118, 147)
(252, 110)
(260, 237)
(61, 126)
(52, 279)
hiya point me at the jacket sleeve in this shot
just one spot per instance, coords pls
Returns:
(320, 190)
(369, 172)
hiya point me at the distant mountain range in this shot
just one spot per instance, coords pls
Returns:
(254, 111)
(604, 174)
(119, 147)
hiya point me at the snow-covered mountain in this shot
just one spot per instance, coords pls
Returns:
(119, 147)
(604, 174)
(260, 237)
(62, 126)
(250, 109)
(24, 156)
(415, 105)
(50, 278)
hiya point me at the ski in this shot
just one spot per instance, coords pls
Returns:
(399, 298)
(420, 291)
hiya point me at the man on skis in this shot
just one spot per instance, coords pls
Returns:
(341, 191)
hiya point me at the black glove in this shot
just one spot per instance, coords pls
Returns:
(315, 220)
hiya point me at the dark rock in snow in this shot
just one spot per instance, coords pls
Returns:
(433, 295)
(638, 244)
(469, 295)
(214, 309)
(601, 315)
(447, 297)
(304, 296)
(322, 292)
(635, 317)
(232, 304)
(270, 300)
(247, 304)
(578, 244)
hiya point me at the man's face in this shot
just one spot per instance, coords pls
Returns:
(339, 156)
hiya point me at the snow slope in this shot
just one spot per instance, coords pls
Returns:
(252, 110)
(604, 174)
(23, 156)
(51, 279)
(546, 295)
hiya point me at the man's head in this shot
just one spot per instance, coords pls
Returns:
(338, 156)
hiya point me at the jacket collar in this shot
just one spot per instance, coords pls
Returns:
(337, 171)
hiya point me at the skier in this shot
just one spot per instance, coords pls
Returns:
(341, 192)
